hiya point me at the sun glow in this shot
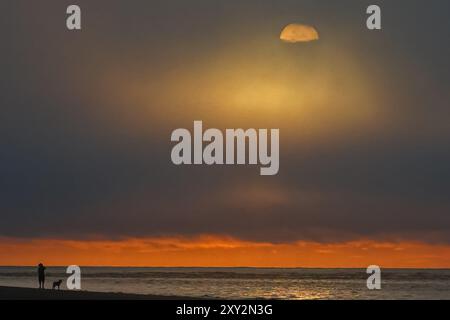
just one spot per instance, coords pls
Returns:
(262, 84)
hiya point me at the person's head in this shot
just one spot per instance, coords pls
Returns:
(40, 265)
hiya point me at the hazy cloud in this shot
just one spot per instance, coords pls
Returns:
(86, 117)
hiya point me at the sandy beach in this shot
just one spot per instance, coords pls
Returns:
(16, 293)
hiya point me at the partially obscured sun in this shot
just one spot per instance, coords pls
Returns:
(299, 33)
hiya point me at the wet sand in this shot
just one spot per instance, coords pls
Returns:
(15, 293)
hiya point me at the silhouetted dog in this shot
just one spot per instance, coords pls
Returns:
(57, 284)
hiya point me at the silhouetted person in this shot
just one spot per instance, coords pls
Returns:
(41, 275)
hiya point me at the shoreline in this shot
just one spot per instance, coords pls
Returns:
(19, 293)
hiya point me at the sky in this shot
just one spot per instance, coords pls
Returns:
(86, 118)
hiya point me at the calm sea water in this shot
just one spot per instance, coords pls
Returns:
(246, 283)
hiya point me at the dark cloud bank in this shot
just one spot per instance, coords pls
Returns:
(66, 172)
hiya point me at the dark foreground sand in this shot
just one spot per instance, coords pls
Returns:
(13, 293)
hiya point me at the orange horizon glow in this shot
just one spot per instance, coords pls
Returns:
(217, 251)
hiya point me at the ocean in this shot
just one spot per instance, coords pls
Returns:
(246, 283)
